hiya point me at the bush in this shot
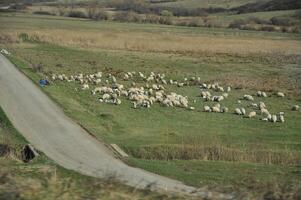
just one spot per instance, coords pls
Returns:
(280, 21)
(77, 14)
(194, 22)
(166, 13)
(152, 18)
(128, 17)
(257, 20)
(298, 14)
(43, 13)
(268, 28)
(97, 14)
(237, 24)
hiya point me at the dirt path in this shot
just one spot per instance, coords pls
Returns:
(45, 126)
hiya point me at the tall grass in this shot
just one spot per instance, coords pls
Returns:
(158, 42)
(211, 148)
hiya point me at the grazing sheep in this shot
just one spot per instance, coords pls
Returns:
(85, 87)
(97, 81)
(217, 98)
(224, 109)
(180, 84)
(238, 111)
(225, 95)
(117, 101)
(262, 105)
(265, 111)
(295, 108)
(252, 114)
(259, 93)
(281, 118)
(280, 94)
(216, 109)
(243, 111)
(228, 89)
(207, 109)
(274, 118)
(265, 119)
(248, 97)
(114, 79)
(191, 108)
(106, 97)
(126, 77)
(269, 117)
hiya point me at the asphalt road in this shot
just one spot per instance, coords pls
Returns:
(47, 128)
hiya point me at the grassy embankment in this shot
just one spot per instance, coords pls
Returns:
(41, 178)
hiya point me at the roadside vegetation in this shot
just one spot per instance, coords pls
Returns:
(202, 149)
(41, 178)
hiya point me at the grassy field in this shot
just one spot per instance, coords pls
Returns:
(43, 179)
(252, 154)
(206, 3)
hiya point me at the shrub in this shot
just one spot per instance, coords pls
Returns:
(257, 20)
(237, 24)
(298, 14)
(61, 12)
(166, 13)
(152, 18)
(24, 37)
(268, 28)
(278, 21)
(128, 17)
(77, 14)
(43, 13)
(95, 14)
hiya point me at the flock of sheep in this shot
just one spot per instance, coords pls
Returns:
(108, 90)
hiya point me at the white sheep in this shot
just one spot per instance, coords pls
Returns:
(248, 97)
(238, 111)
(295, 108)
(264, 111)
(274, 118)
(280, 94)
(106, 96)
(180, 84)
(243, 111)
(225, 95)
(252, 114)
(224, 109)
(191, 108)
(207, 109)
(262, 105)
(85, 87)
(281, 118)
(216, 109)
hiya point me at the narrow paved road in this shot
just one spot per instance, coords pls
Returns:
(45, 126)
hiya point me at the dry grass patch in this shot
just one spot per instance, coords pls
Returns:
(158, 42)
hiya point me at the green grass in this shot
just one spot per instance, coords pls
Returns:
(206, 3)
(41, 178)
(21, 21)
(228, 174)
(135, 129)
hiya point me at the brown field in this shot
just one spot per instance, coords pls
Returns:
(161, 42)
